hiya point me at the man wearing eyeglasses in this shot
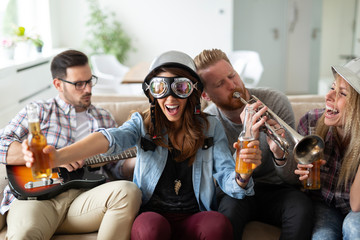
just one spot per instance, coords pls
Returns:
(109, 208)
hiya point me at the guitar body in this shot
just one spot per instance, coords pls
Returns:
(61, 179)
(20, 175)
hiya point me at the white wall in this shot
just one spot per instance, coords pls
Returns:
(281, 32)
(261, 26)
(357, 30)
(337, 28)
(68, 19)
(154, 26)
(303, 42)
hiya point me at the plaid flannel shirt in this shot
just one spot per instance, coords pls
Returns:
(57, 123)
(329, 173)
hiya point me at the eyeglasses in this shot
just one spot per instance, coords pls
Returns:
(161, 87)
(81, 85)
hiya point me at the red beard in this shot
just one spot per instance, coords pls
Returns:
(233, 103)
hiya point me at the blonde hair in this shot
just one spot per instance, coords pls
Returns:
(193, 125)
(349, 141)
(209, 57)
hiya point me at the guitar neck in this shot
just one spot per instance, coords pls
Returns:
(97, 159)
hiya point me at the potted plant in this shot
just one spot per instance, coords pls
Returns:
(8, 47)
(38, 43)
(105, 33)
(19, 33)
(22, 48)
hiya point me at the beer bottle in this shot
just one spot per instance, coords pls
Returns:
(245, 137)
(41, 167)
(313, 180)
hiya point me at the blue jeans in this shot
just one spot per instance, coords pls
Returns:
(351, 226)
(331, 224)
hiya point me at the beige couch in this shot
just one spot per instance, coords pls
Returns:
(121, 107)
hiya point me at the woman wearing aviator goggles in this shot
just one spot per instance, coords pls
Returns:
(179, 87)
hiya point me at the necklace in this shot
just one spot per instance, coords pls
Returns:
(177, 186)
(177, 182)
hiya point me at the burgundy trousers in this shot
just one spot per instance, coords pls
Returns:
(208, 225)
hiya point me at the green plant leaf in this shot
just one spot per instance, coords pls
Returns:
(105, 33)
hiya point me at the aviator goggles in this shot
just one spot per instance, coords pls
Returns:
(179, 87)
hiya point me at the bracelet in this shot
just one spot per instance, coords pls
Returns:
(280, 159)
(238, 177)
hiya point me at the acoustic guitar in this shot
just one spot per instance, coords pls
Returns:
(24, 187)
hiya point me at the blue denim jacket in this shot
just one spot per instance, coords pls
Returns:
(214, 162)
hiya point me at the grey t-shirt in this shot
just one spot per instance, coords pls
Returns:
(268, 171)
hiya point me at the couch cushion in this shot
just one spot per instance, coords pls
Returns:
(115, 98)
(260, 230)
(306, 98)
(84, 236)
(122, 110)
(98, 98)
(300, 108)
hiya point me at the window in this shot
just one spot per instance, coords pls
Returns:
(33, 15)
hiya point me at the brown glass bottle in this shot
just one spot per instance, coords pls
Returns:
(41, 167)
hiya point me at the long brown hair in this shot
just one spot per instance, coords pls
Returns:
(349, 141)
(193, 125)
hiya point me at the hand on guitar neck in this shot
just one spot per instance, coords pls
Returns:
(74, 165)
